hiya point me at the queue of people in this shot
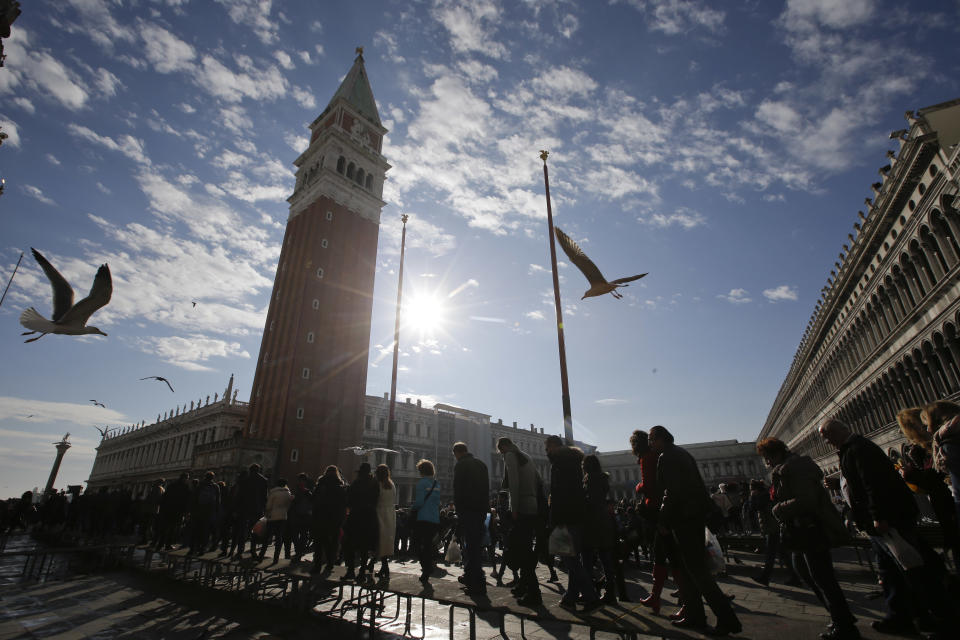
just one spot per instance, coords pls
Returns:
(573, 517)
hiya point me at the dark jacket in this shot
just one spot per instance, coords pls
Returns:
(176, 500)
(685, 498)
(874, 487)
(253, 495)
(471, 485)
(567, 498)
(361, 522)
(329, 502)
(599, 529)
(801, 499)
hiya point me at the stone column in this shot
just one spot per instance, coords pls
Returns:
(62, 447)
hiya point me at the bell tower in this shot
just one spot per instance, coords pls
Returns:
(310, 382)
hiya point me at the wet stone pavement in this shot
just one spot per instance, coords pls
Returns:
(133, 603)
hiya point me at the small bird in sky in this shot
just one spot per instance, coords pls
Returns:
(161, 379)
(194, 302)
(598, 284)
(362, 451)
(68, 318)
(28, 417)
(98, 404)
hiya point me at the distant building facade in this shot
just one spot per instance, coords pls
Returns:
(885, 334)
(722, 461)
(205, 436)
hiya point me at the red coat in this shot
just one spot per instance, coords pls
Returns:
(648, 480)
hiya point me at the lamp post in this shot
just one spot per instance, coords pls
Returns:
(391, 420)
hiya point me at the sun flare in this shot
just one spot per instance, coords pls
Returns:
(424, 312)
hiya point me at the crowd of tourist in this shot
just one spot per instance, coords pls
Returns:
(801, 516)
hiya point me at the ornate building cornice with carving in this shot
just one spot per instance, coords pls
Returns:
(884, 334)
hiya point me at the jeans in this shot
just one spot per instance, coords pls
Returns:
(471, 528)
(579, 582)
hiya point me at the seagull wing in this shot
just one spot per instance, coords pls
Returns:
(383, 450)
(62, 291)
(579, 258)
(100, 294)
(630, 279)
(168, 383)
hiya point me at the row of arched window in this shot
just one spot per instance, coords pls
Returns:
(923, 373)
(355, 173)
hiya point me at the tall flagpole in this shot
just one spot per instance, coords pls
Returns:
(564, 386)
(391, 420)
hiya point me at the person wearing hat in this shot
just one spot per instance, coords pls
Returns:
(360, 533)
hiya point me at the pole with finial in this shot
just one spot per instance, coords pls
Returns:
(391, 420)
(564, 386)
(11, 278)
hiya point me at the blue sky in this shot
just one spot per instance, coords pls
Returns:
(725, 148)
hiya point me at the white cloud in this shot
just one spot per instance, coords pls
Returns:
(103, 188)
(534, 315)
(235, 118)
(681, 217)
(37, 194)
(256, 15)
(165, 51)
(610, 402)
(679, 16)
(25, 104)
(107, 82)
(296, 142)
(783, 292)
(52, 159)
(829, 13)
(736, 296)
(284, 59)
(191, 352)
(39, 71)
(305, 56)
(228, 159)
(472, 25)
(127, 145)
(304, 98)
(536, 268)
(65, 412)
(256, 83)
(186, 108)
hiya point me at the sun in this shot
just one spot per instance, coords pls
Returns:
(425, 312)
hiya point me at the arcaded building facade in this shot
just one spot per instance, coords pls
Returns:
(884, 334)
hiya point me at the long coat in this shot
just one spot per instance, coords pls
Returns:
(386, 521)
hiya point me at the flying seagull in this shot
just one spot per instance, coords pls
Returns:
(598, 284)
(194, 302)
(161, 379)
(68, 318)
(98, 404)
(362, 451)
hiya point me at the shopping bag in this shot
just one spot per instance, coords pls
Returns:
(259, 529)
(561, 542)
(715, 561)
(902, 552)
(453, 553)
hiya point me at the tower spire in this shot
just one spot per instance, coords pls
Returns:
(355, 90)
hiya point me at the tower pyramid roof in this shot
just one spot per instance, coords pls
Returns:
(355, 89)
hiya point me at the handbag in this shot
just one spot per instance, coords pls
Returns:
(561, 542)
(715, 561)
(415, 510)
(259, 528)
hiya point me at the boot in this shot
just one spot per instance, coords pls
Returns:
(659, 577)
